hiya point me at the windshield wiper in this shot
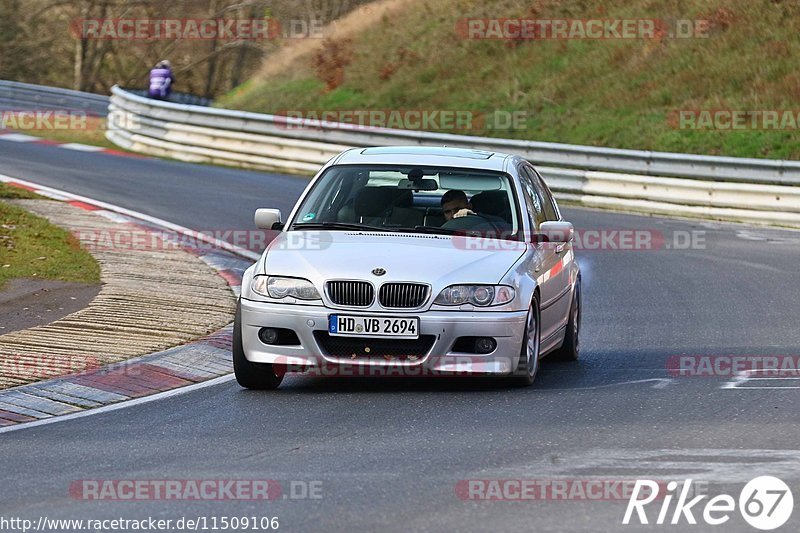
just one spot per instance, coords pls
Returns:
(436, 229)
(337, 225)
(365, 227)
(460, 232)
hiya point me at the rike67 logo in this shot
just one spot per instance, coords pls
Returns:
(765, 503)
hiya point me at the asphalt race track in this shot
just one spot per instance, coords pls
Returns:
(388, 454)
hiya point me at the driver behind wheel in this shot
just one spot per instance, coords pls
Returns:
(455, 205)
(460, 215)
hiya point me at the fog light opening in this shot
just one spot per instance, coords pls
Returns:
(278, 337)
(484, 345)
(268, 335)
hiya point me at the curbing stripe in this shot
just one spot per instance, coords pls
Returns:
(18, 137)
(12, 408)
(48, 142)
(63, 398)
(82, 391)
(21, 186)
(122, 405)
(15, 418)
(82, 147)
(189, 374)
(233, 277)
(37, 403)
(78, 147)
(82, 205)
(132, 388)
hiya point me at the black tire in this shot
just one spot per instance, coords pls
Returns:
(570, 350)
(257, 376)
(525, 374)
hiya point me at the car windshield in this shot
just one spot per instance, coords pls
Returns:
(408, 198)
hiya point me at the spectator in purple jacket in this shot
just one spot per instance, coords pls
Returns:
(161, 80)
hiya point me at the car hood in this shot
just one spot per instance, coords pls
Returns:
(435, 259)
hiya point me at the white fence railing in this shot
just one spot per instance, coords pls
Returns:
(754, 190)
(19, 96)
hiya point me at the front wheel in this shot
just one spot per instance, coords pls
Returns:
(257, 376)
(528, 365)
(570, 350)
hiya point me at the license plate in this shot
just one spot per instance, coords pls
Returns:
(373, 326)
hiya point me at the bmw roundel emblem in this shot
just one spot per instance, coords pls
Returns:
(378, 271)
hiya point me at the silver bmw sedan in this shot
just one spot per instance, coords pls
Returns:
(412, 261)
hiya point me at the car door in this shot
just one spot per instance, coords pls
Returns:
(560, 274)
(545, 264)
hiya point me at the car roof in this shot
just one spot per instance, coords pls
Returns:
(425, 156)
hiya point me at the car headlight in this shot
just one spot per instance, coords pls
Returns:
(279, 288)
(478, 295)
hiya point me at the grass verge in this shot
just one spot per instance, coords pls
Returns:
(32, 247)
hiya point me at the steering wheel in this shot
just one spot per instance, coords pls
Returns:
(472, 221)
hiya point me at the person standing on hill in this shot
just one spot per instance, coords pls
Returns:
(161, 80)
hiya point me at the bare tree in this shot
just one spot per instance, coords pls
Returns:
(33, 35)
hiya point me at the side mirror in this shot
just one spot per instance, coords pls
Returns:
(267, 218)
(557, 232)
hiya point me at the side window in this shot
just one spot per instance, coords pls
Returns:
(532, 199)
(550, 211)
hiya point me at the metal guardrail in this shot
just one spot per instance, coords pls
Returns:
(754, 190)
(542, 153)
(19, 96)
(175, 97)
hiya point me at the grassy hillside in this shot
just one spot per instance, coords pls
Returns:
(613, 92)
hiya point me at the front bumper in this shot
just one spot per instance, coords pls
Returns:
(445, 326)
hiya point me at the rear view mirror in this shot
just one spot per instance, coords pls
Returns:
(267, 218)
(470, 182)
(557, 232)
(418, 185)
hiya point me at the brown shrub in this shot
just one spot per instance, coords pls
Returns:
(721, 19)
(330, 61)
